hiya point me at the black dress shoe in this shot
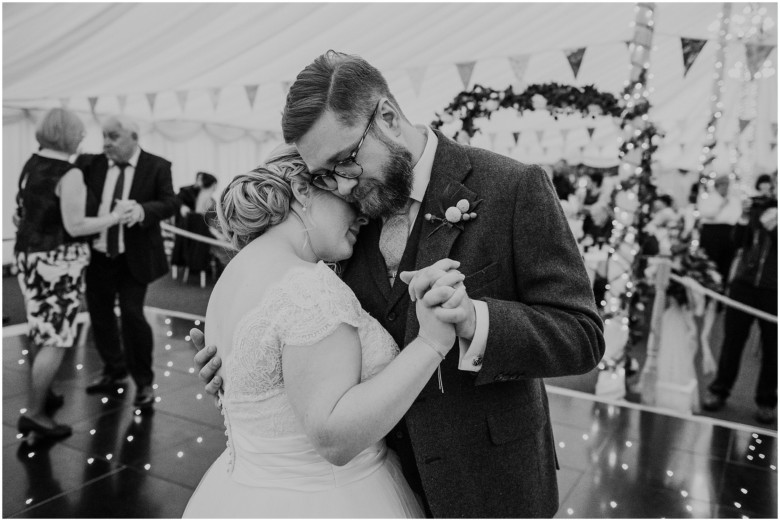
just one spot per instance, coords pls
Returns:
(712, 402)
(144, 397)
(26, 426)
(52, 402)
(106, 384)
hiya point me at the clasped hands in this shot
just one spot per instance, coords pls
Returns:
(129, 212)
(437, 289)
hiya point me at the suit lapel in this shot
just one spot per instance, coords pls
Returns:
(450, 168)
(138, 179)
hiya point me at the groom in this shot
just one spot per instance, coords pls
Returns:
(478, 443)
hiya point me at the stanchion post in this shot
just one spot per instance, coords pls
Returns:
(649, 376)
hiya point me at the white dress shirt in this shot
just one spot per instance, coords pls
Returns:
(100, 243)
(470, 356)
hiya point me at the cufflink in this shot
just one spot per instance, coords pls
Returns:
(477, 361)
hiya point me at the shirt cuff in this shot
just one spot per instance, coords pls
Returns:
(471, 352)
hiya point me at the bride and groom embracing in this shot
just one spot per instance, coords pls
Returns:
(325, 416)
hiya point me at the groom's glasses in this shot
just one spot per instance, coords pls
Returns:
(347, 168)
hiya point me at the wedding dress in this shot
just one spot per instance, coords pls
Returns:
(270, 468)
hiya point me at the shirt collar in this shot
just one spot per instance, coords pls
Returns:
(133, 161)
(53, 154)
(422, 170)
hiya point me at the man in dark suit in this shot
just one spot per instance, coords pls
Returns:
(125, 259)
(477, 442)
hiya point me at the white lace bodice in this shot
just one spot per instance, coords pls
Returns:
(304, 307)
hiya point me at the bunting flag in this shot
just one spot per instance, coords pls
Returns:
(691, 48)
(465, 70)
(756, 56)
(743, 123)
(516, 136)
(151, 97)
(774, 129)
(181, 97)
(773, 146)
(519, 64)
(64, 102)
(122, 100)
(575, 59)
(582, 151)
(628, 43)
(416, 75)
(214, 95)
(92, 103)
(251, 93)
(590, 132)
(682, 148)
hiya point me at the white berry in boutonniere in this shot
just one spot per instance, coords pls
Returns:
(455, 215)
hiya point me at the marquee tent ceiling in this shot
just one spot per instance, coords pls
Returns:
(196, 60)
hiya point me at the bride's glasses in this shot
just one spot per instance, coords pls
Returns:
(347, 168)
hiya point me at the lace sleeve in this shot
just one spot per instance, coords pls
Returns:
(313, 304)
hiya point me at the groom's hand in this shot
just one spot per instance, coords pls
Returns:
(459, 308)
(207, 362)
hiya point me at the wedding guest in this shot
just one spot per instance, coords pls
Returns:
(187, 196)
(126, 258)
(51, 255)
(478, 441)
(197, 254)
(719, 210)
(754, 284)
(764, 186)
(665, 219)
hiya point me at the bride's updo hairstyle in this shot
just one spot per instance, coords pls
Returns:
(253, 202)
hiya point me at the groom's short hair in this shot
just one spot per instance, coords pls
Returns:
(344, 83)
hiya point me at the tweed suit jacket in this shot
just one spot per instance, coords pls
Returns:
(484, 447)
(152, 188)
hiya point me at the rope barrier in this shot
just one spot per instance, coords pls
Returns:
(685, 281)
(196, 237)
(695, 286)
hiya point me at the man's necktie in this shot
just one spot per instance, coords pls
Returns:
(392, 240)
(112, 239)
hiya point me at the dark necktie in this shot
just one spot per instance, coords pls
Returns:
(112, 240)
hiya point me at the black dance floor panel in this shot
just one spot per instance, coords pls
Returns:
(617, 460)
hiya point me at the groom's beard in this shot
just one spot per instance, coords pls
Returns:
(384, 198)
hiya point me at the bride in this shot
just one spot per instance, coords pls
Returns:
(312, 383)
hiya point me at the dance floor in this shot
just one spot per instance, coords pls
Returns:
(617, 460)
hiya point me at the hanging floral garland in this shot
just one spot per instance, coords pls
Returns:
(482, 102)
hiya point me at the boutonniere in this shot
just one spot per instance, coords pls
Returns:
(454, 212)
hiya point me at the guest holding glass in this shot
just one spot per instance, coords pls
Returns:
(52, 253)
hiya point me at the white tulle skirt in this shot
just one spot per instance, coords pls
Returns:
(286, 478)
